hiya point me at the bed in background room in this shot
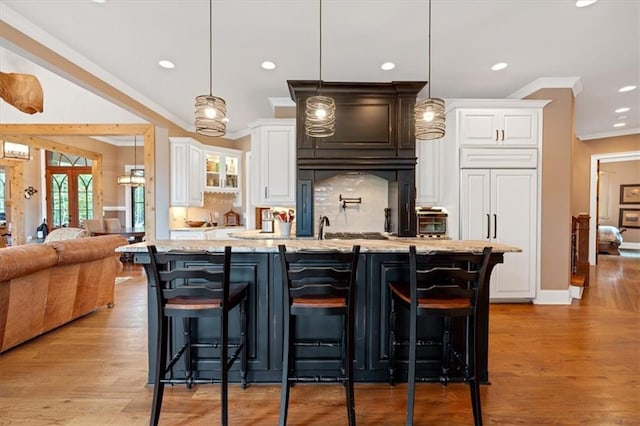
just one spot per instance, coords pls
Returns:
(609, 239)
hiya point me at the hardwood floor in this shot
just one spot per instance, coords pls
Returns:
(563, 365)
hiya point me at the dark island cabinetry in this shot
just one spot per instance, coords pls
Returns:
(262, 272)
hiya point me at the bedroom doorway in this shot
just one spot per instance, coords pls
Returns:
(596, 161)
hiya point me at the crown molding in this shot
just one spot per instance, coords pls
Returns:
(611, 134)
(573, 83)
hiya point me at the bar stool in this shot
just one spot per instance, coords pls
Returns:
(318, 283)
(442, 288)
(194, 286)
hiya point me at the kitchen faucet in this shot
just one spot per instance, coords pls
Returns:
(323, 221)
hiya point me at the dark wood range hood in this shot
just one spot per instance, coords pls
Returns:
(374, 134)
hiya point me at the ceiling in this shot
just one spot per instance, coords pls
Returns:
(546, 43)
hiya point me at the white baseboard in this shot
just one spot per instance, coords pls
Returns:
(553, 297)
(630, 246)
(575, 291)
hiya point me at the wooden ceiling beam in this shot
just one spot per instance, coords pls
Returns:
(36, 142)
(9, 130)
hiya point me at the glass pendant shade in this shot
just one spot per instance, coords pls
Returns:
(211, 115)
(15, 151)
(429, 113)
(135, 178)
(430, 119)
(320, 117)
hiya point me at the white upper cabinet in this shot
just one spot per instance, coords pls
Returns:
(510, 127)
(428, 172)
(186, 173)
(222, 170)
(273, 175)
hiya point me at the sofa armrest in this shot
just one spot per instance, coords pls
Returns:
(22, 260)
(87, 249)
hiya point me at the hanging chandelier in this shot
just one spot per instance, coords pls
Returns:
(320, 112)
(135, 176)
(211, 111)
(429, 113)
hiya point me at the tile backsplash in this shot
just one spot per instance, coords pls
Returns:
(214, 203)
(368, 216)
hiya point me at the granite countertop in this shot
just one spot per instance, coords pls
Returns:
(203, 228)
(270, 245)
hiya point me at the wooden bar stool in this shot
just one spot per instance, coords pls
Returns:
(196, 286)
(318, 283)
(446, 289)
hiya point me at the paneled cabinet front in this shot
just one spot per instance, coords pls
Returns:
(186, 174)
(500, 205)
(222, 171)
(428, 172)
(512, 127)
(273, 148)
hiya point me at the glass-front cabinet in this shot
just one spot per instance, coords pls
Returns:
(222, 171)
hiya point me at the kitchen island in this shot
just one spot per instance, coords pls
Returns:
(256, 261)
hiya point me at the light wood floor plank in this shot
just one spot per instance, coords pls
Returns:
(561, 365)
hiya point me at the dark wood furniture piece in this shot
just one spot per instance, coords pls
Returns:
(259, 266)
(134, 235)
(374, 133)
(318, 283)
(193, 287)
(440, 288)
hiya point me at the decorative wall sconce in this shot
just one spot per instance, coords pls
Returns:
(29, 191)
(15, 151)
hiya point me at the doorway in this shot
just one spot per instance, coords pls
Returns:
(596, 159)
(69, 184)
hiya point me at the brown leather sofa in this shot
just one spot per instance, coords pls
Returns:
(43, 286)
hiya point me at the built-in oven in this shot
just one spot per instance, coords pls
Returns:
(431, 223)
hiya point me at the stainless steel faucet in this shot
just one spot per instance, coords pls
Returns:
(323, 221)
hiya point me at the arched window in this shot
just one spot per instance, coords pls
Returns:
(69, 190)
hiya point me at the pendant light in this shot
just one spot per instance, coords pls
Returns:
(429, 113)
(135, 176)
(320, 112)
(211, 111)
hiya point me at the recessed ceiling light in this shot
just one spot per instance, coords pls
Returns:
(499, 66)
(387, 66)
(585, 3)
(165, 63)
(622, 117)
(626, 89)
(621, 110)
(619, 124)
(99, 1)
(268, 65)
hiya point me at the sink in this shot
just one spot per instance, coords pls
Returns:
(354, 236)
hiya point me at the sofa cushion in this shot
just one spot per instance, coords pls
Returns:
(71, 251)
(22, 260)
(66, 234)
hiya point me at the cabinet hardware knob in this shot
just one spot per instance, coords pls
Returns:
(495, 226)
(488, 226)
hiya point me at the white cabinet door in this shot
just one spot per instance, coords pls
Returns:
(222, 171)
(513, 127)
(187, 235)
(428, 172)
(501, 205)
(179, 179)
(196, 177)
(273, 148)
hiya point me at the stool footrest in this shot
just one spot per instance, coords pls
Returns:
(317, 343)
(317, 379)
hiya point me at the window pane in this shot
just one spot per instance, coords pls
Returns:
(60, 200)
(85, 197)
(2, 192)
(137, 206)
